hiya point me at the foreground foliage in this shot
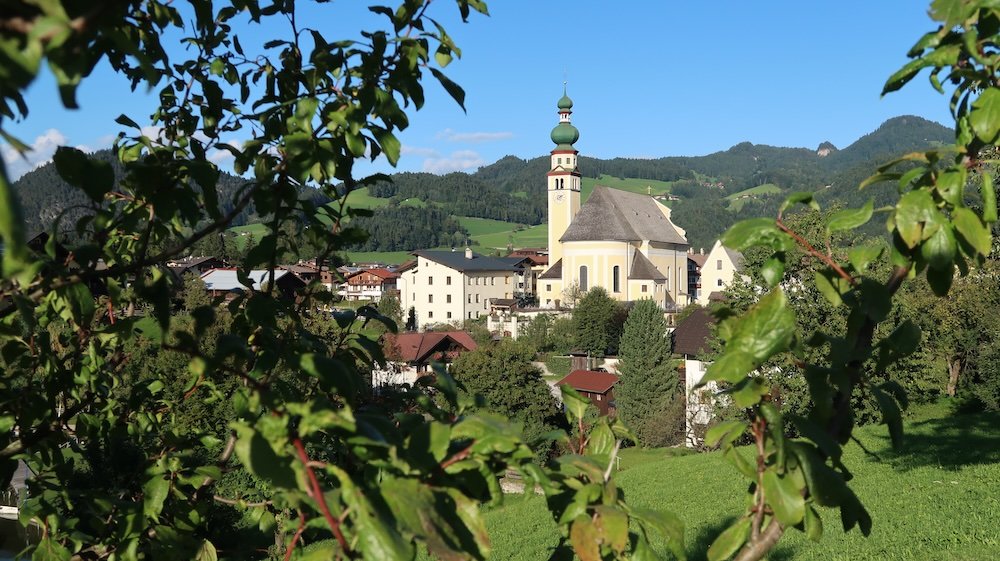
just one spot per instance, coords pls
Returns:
(130, 466)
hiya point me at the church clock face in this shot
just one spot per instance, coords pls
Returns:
(560, 197)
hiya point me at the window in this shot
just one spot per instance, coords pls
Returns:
(430, 281)
(470, 298)
(447, 299)
(477, 315)
(559, 160)
(718, 264)
(477, 298)
(477, 281)
(506, 280)
(430, 315)
(430, 298)
(449, 315)
(470, 315)
(645, 288)
(493, 281)
(583, 278)
(615, 284)
(719, 282)
(598, 396)
(447, 280)
(548, 301)
(548, 287)
(470, 281)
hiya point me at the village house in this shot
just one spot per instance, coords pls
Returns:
(507, 318)
(450, 286)
(717, 273)
(621, 241)
(692, 340)
(595, 385)
(411, 354)
(193, 265)
(537, 261)
(226, 282)
(695, 262)
(368, 284)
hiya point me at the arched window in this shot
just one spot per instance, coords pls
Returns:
(615, 283)
(583, 278)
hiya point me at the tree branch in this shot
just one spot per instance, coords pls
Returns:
(316, 492)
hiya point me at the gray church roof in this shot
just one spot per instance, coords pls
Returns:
(643, 269)
(613, 214)
(457, 260)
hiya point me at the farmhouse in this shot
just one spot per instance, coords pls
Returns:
(624, 242)
(450, 286)
(692, 340)
(226, 282)
(410, 354)
(595, 385)
(368, 284)
(717, 272)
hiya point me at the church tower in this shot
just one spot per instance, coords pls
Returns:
(563, 178)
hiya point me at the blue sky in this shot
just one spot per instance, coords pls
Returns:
(648, 79)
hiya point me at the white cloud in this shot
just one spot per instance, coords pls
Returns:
(462, 160)
(419, 151)
(473, 137)
(41, 152)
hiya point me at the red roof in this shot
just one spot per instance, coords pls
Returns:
(418, 347)
(378, 272)
(590, 381)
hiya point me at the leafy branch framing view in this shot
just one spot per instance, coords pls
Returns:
(276, 446)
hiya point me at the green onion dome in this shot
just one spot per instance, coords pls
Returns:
(565, 102)
(565, 134)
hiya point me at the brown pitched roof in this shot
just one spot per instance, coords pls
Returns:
(418, 347)
(613, 214)
(590, 381)
(643, 269)
(698, 258)
(554, 272)
(693, 336)
(378, 272)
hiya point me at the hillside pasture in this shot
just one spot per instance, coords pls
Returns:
(737, 200)
(936, 498)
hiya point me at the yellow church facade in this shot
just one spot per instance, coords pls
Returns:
(621, 241)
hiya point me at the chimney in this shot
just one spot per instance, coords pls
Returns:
(701, 251)
(468, 252)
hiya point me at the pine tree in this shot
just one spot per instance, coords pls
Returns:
(649, 383)
(594, 322)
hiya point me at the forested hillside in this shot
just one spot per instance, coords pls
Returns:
(712, 190)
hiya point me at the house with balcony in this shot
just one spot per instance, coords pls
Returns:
(368, 284)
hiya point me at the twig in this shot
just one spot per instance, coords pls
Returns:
(458, 457)
(239, 502)
(816, 253)
(298, 534)
(316, 492)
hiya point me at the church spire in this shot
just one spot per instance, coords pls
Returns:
(565, 134)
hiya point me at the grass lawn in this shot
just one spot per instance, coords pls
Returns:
(532, 236)
(938, 498)
(736, 200)
(387, 257)
(481, 226)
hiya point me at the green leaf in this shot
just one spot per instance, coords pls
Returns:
(773, 269)
(851, 218)
(862, 255)
(731, 367)
(776, 428)
(939, 249)
(95, 177)
(724, 433)
(800, 197)
(831, 285)
(914, 209)
(766, 329)
(453, 89)
(667, 524)
(730, 541)
(985, 115)
(972, 230)
(989, 198)
(124, 121)
(612, 526)
(904, 339)
(154, 493)
(950, 185)
(50, 550)
(576, 404)
(206, 552)
(261, 459)
(940, 280)
(784, 497)
(601, 440)
(390, 145)
(757, 232)
(891, 416)
(332, 373)
(586, 540)
(813, 524)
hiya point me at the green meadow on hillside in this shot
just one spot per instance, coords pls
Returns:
(736, 200)
(936, 498)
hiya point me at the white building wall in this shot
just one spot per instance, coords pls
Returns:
(440, 294)
(717, 273)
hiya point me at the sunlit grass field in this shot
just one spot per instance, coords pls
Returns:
(936, 499)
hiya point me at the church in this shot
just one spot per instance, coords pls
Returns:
(621, 241)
